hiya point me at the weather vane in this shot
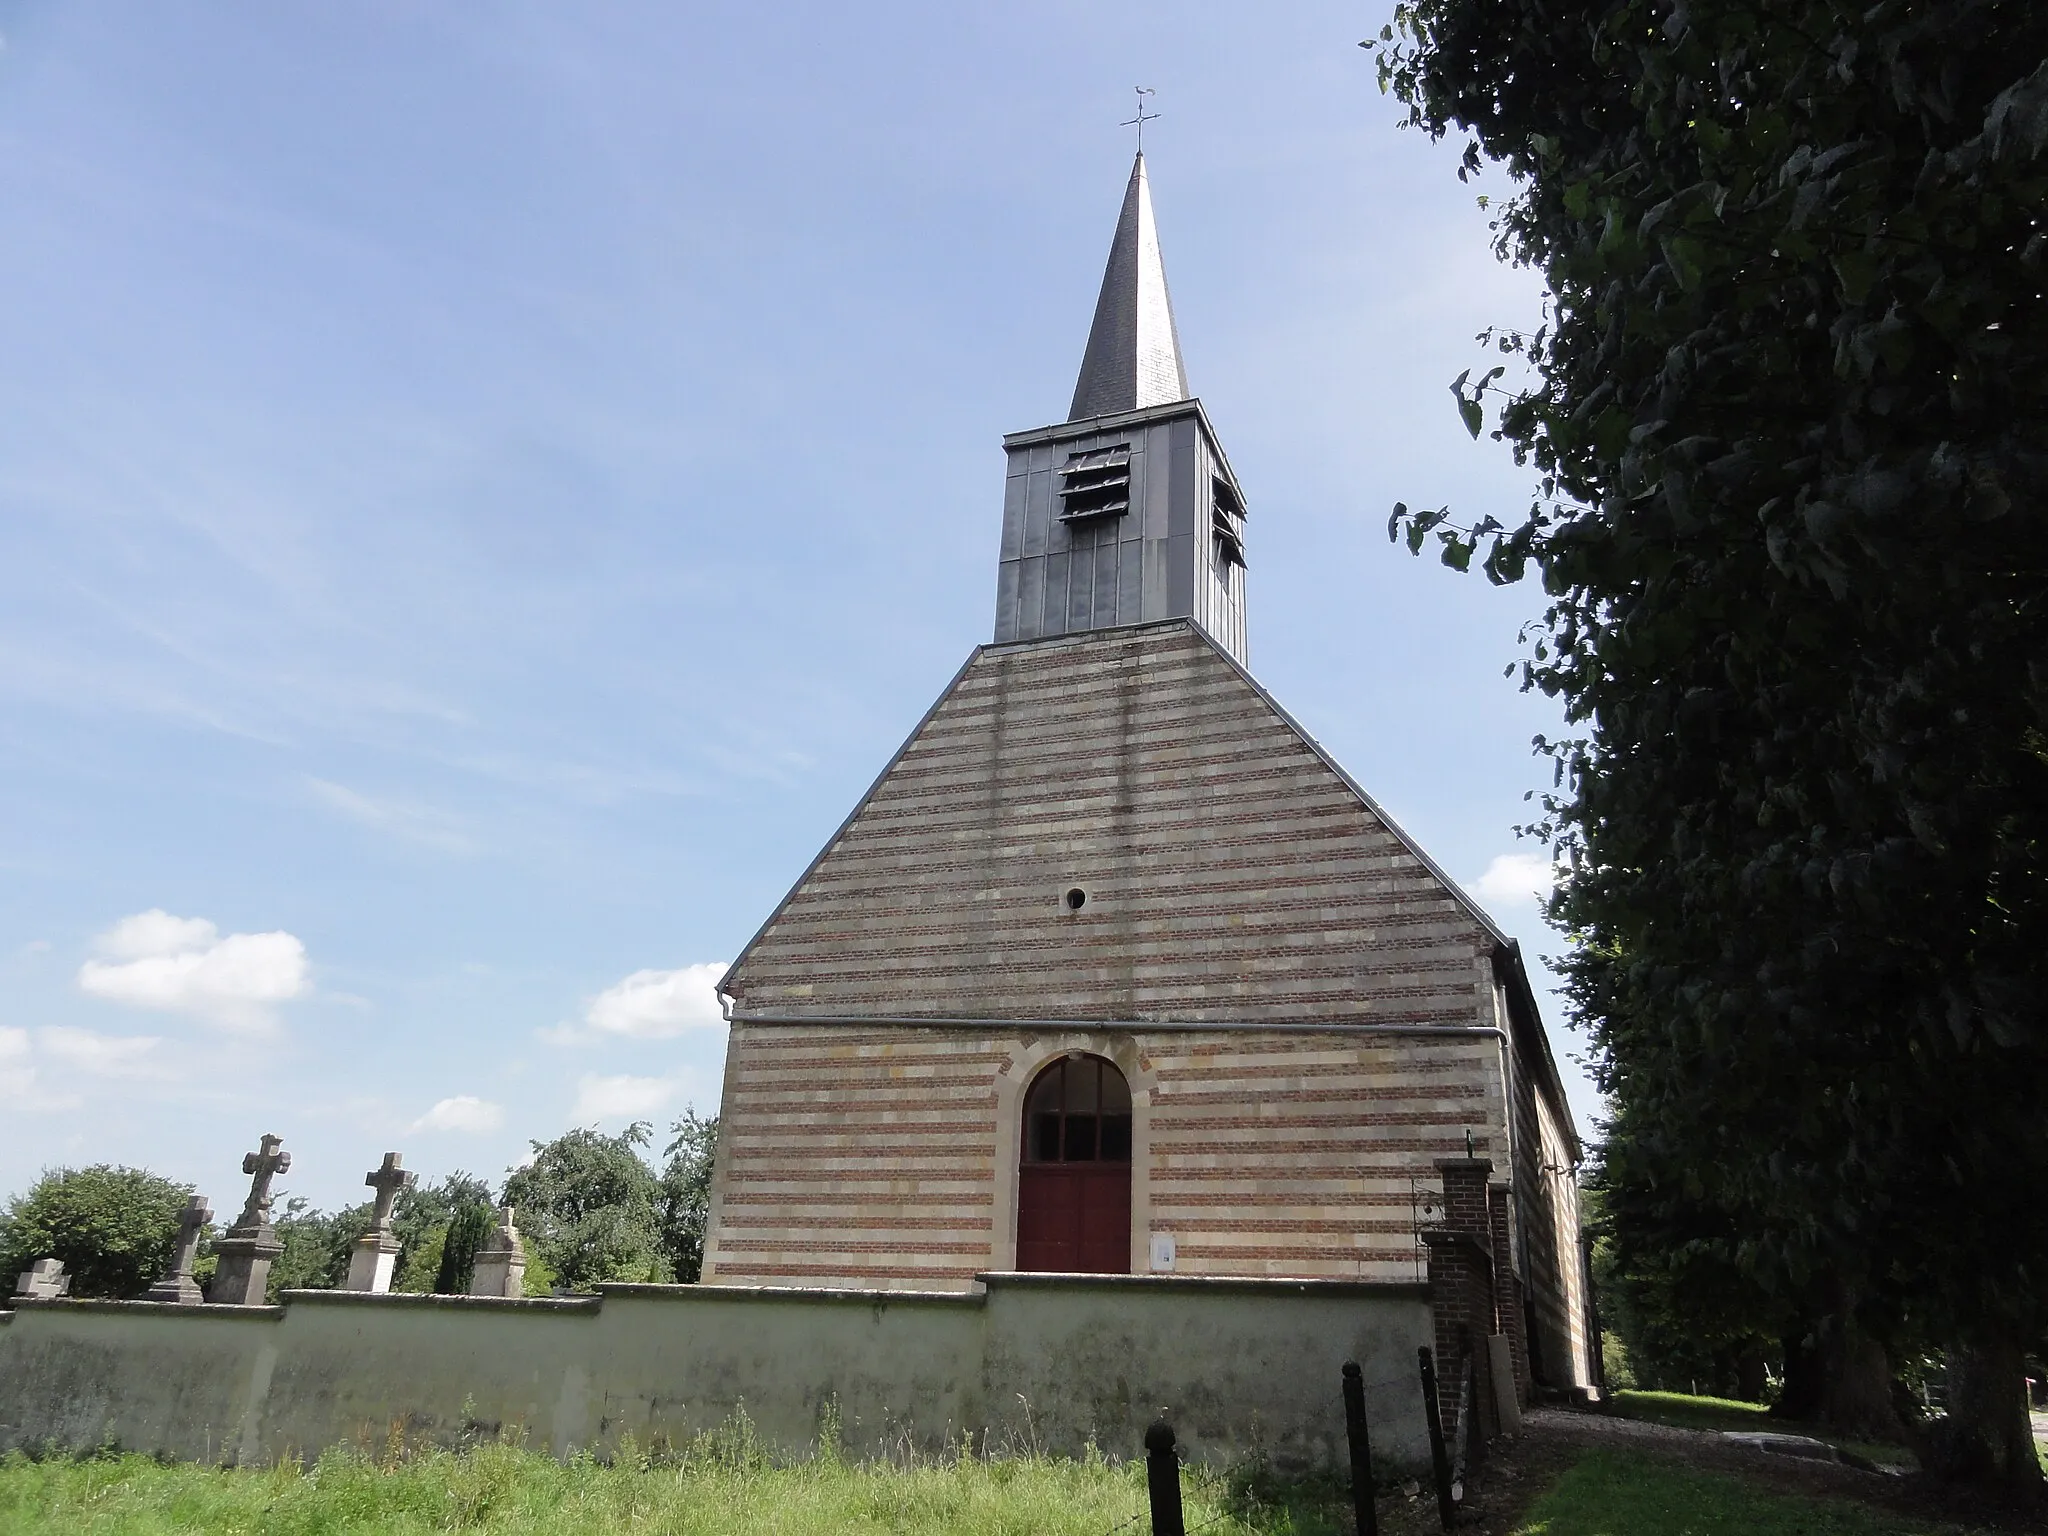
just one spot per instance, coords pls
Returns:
(1143, 116)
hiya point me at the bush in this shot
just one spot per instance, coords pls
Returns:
(114, 1228)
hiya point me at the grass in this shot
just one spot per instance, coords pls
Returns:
(1726, 1413)
(1686, 1412)
(1615, 1493)
(501, 1490)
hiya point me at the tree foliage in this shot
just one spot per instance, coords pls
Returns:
(467, 1232)
(114, 1228)
(318, 1245)
(686, 1193)
(589, 1205)
(1790, 426)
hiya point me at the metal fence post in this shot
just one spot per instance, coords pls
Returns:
(1440, 1458)
(1360, 1438)
(1162, 1481)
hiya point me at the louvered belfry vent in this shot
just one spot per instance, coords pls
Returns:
(1096, 483)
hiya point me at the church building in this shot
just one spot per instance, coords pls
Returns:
(1114, 970)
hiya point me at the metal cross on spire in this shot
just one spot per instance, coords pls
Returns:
(1143, 116)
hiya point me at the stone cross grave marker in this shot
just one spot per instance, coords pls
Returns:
(501, 1262)
(43, 1280)
(251, 1243)
(179, 1286)
(376, 1251)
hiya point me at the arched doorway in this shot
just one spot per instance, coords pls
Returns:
(1074, 1178)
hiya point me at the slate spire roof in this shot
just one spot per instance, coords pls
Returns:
(1133, 357)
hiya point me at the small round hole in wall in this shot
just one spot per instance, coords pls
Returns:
(1076, 899)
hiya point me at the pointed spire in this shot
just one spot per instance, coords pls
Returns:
(1133, 357)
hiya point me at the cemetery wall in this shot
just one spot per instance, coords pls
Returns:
(1053, 1361)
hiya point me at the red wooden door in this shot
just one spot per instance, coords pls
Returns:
(1074, 1218)
(1074, 1179)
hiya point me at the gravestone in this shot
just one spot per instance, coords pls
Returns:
(178, 1286)
(501, 1262)
(376, 1251)
(43, 1280)
(249, 1246)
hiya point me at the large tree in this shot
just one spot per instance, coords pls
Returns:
(590, 1207)
(1791, 431)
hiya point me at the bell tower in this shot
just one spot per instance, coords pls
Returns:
(1127, 512)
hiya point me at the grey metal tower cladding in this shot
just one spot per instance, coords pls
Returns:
(1127, 512)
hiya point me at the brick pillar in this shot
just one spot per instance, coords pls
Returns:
(1507, 1290)
(1465, 1194)
(1461, 1289)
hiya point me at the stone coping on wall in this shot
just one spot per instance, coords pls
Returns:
(1448, 1237)
(878, 1296)
(1212, 1285)
(147, 1308)
(339, 1298)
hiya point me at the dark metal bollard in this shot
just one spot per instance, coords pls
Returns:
(1162, 1481)
(1440, 1458)
(1361, 1451)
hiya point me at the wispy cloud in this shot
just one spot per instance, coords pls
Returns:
(1516, 879)
(464, 1112)
(405, 819)
(649, 1005)
(185, 965)
(98, 1055)
(621, 1097)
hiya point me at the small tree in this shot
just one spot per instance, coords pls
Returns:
(686, 1194)
(466, 1235)
(114, 1228)
(421, 1220)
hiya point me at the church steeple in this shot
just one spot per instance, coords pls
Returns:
(1128, 512)
(1133, 356)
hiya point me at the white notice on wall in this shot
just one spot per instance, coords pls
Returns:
(1162, 1251)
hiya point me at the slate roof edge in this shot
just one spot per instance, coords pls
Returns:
(841, 830)
(1507, 951)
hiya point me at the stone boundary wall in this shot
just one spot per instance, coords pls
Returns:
(1243, 1367)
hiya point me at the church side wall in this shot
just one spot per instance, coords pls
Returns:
(1546, 1229)
(885, 1157)
(1559, 1277)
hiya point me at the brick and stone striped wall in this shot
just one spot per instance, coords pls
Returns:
(886, 1156)
(1241, 895)
(1230, 872)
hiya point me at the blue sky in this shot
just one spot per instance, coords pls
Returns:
(484, 488)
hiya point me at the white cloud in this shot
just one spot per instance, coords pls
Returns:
(464, 1112)
(416, 823)
(620, 1098)
(183, 965)
(1513, 879)
(155, 932)
(649, 1005)
(99, 1055)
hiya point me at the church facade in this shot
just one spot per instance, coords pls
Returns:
(1114, 970)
